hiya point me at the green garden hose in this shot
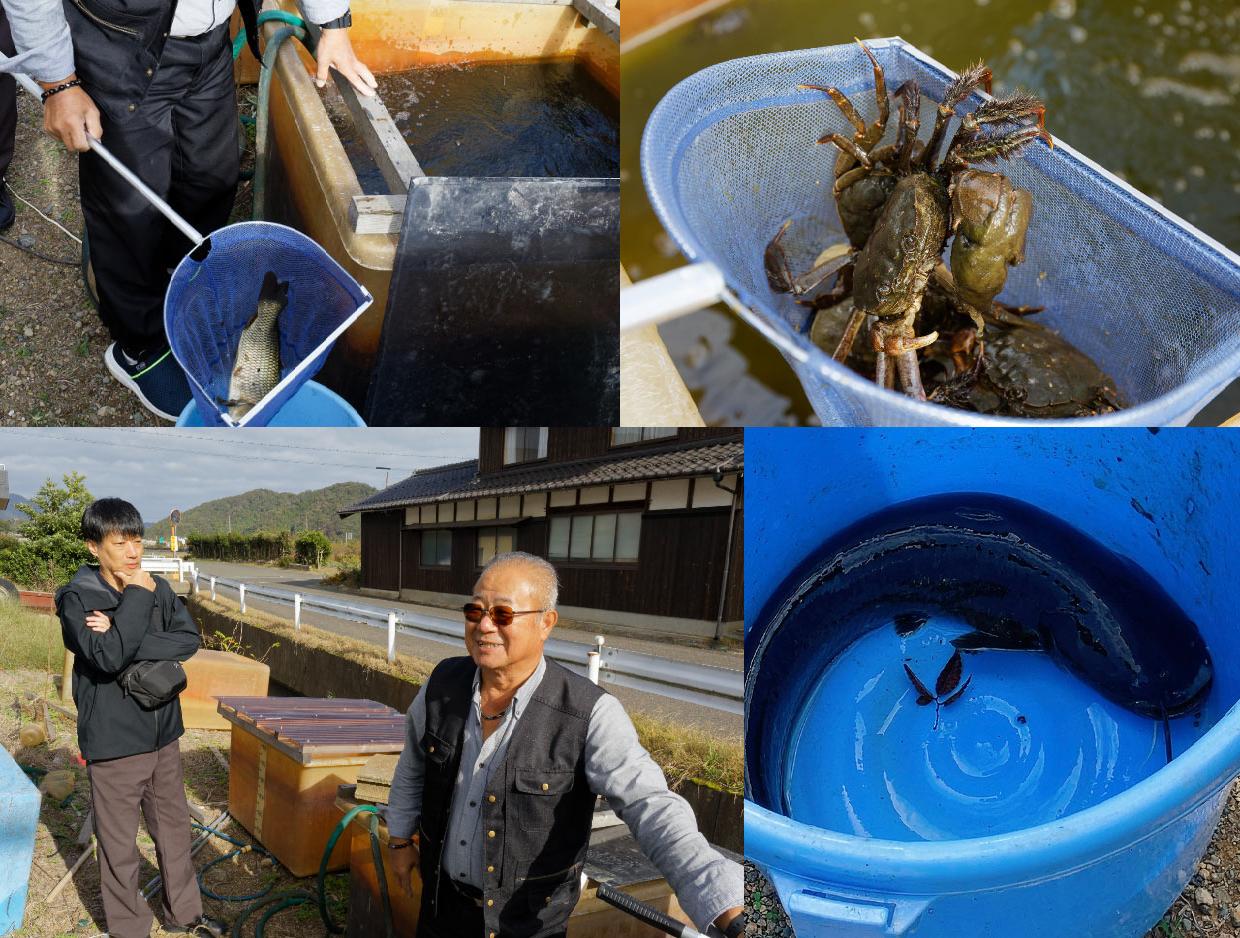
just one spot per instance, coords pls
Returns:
(274, 903)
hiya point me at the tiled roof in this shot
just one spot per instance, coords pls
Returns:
(461, 480)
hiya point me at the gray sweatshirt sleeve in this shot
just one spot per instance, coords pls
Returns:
(323, 11)
(705, 882)
(41, 37)
(405, 801)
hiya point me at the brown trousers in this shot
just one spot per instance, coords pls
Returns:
(152, 782)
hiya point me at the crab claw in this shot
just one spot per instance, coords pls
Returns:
(898, 345)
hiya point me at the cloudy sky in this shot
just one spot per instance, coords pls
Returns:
(159, 470)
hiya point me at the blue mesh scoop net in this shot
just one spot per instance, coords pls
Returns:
(729, 155)
(209, 302)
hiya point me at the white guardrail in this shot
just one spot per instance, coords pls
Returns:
(707, 686)
(184, 569)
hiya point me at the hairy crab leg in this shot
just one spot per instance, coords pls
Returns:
(997, 146)
(910, 120)
(880, 90)
(849, 147)
(845, 105)
(844, 348)
(820, 272)
(964, 85)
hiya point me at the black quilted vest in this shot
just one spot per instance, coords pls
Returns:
(539, 804)
(117, 45)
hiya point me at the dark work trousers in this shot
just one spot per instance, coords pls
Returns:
(8, 100)
(153, 782)
(459, 914)
(183, 144)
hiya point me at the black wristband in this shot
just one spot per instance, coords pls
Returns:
(392, 846)
(48, 92)
(736, 927)
(340, 22)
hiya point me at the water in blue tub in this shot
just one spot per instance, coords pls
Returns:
(969, 665)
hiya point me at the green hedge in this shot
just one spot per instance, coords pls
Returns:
(242, 547)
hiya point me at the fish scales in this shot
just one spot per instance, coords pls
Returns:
(256, 367)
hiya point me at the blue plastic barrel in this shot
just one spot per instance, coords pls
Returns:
(19, 815)
(312, 406)
(1165, 500)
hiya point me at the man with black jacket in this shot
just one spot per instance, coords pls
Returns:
(112, 616)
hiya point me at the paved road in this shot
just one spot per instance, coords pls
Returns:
(716, 722)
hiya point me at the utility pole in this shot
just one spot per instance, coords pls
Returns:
(387, 471)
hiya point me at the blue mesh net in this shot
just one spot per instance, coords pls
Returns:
(729, 155)
(209, 303)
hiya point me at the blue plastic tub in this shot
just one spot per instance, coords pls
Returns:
(312, 406)
(1168, 502)
(19, 815)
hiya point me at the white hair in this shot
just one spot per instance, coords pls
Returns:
(543, 578)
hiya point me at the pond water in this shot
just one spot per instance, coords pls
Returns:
(519, 119)
(1148, 90)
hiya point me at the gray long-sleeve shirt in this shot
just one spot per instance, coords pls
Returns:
(39, 28)
(617, 767)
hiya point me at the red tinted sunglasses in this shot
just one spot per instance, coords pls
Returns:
(500, 615)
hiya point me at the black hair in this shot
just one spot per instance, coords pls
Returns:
(110, 516)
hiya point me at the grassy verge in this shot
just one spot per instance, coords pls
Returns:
(683, 753)
(29, 640)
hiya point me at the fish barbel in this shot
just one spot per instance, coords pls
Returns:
(256, 368)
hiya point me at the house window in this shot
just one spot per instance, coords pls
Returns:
(621, 436)
(604, 538)
(436, 548)
(492, 541)
(524, 444)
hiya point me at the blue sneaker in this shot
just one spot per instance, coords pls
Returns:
(157, 381)
(7, 213)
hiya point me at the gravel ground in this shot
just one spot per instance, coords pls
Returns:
(51, 339)
(1208, 908)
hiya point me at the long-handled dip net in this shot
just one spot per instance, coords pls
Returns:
(214, 295)
(729, 155)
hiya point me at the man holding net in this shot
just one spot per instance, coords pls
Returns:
(155, 79)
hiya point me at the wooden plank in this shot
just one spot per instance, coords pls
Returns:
(377, 214)
(383, 138)
(604, 15)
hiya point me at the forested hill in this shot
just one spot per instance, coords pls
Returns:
(265, 510)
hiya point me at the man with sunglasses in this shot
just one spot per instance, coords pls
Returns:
(506, 752)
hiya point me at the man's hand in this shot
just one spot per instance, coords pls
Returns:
(139, 577)
(401, 862)
(335, 51)
(70, 115)
(725, 918)
(98, 621)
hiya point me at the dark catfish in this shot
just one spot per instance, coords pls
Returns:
(1020, 579)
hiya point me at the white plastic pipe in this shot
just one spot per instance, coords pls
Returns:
(688, 289)
(297, 612)
(212, 589)
(592, 658)
(391, 637)
(241, 590)
(667, 296)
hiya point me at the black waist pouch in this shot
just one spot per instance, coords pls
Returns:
(153, 683)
